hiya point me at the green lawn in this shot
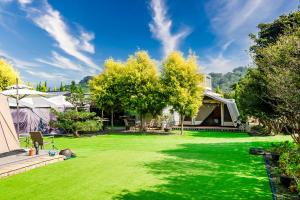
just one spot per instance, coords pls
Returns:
(199, 165)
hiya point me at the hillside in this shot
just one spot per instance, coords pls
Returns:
(225, 81)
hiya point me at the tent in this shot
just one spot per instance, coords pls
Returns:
(215, 111)
(8, 136)
(60, 103)
(34, 114)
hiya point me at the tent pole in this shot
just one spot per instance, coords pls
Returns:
(17, 100)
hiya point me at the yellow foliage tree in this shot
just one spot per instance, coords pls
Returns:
(8, 75)
(183, 83)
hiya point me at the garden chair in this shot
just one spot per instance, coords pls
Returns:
(37, 137)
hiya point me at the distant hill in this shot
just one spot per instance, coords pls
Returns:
(84, 83)
(225, 81)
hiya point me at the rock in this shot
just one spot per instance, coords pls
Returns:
(67, 153)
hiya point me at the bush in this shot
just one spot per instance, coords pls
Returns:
(289, 162)
(282, 147)
(73, 121)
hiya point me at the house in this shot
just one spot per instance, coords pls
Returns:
(215, 110)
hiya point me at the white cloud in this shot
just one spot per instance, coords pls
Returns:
(24, 2)
(221, 64)
(48, 76)
(85, 42)
(60, 61)
(161, 27)
(17, 63)
(232, 21)
(53, 23)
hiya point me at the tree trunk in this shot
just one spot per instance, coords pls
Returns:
(112, 120)
(141, 122)
(76, 134)
(182, 119)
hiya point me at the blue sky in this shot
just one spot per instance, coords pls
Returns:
(64, 40)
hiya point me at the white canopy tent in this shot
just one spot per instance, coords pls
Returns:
(60, 102)
(19, 92)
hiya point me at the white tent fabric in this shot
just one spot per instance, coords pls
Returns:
(32, 102)
(35, 112)
(8, 136)
(203, 113)
(20, 86)
(23, 93)
(233, 110)
(32, 119)
(60, 102)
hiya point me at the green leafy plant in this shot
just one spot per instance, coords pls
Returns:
(289, 163)
(73, 121)
(282, 147)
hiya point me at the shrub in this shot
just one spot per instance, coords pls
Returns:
(282, 147)
(289, 163)
(73, 121)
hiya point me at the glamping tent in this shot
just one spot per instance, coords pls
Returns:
(8, 136)
(35, 112)
(215, 111)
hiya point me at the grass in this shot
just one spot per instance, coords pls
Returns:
(198, 165)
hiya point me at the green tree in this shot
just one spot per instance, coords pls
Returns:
(218, 90)
(273, 52)
(143, 92)
(106, 88)
(8, 75)
(62, 88)
(280, 67)
(76, 95)
(183, 84)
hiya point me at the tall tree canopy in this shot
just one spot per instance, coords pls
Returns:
(270, 91)
(106, 88)
(8, 75)
(183, 84)
(143, 93)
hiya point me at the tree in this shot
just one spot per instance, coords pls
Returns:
(62, 88)
(280, 67)
(183, 84)
(253, 100)
(106, 88)
(42, 87)
(268, 89)
(219, 91)
(8, 75)
(143, 91)
(76, 95)
(73, 121)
